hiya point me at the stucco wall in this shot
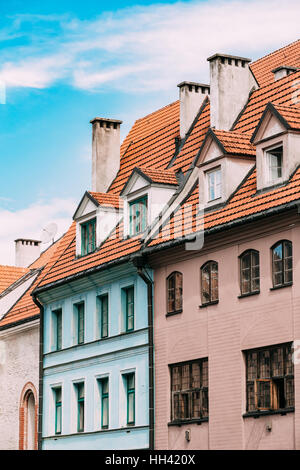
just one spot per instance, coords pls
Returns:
(19, 365)
(113, 357)
(221, 332)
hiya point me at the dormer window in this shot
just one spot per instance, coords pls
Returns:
(138, 215)
(88, 237)
(214, 184)
(274, 162)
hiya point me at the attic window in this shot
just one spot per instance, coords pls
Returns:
(214, 184)
(274, 162)
(138, 215)
(88, 237)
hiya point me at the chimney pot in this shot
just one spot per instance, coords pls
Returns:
(105, 152)
(231, 81)
(27, 251)
(191, 95)
(283, 71)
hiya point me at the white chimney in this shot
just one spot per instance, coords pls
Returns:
(191, 97)
(231, 81)
(27, 251)
(283, 71)
(105, 152)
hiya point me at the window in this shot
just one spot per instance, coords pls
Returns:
(104, 390)
(138, 215)
(88, 237)
(209, 283)
(130, 389)
(249, 271)
(189, 390)
(58, 410)
(174, 292)
(57, 317)
(270, 378)
(274, 162)
(129, 308)
(214, 184)
(103, 315)
(80, 406)
(79, 322)
(282, 260)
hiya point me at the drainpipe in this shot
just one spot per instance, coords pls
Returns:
(41, 347)
(139, 263)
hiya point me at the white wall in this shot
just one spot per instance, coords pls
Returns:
(19, 364)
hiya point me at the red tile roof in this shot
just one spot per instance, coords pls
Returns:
(159, 176)
(291, 114)
(236, 143)
(151, 144)
(10, 274)
(25, 308)
(288, 55)
(107, 199)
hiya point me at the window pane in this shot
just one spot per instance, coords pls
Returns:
(196, 405)
(275, 163)
(250, 397)
(58, 420)
(185, 377)
(130, 407)
(176, 382)
(264, 394)
(104, 316)
(289, 393)
(80, 313)
(264, 363)
(277, 362)
(105, 412)
(252, 364)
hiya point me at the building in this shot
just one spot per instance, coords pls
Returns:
(202, 206)
(19, 348)
(97, 344)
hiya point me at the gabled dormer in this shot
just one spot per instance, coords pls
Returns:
(145, 194)
(224, 159)
(277, 141)
(96, 216)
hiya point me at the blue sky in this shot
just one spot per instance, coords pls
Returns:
(64, 62)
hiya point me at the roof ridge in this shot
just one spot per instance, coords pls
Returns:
(275, 52)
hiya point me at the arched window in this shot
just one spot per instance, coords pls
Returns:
(174, 292)
(249, 272)
(209, 283)
(282, 263)
(28, 418)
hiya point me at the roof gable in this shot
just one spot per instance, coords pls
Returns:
(86, 206)
(270, 124)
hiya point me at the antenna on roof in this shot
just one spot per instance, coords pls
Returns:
(49, 232)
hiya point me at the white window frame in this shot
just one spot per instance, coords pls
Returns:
(215, 171)
(268, 151)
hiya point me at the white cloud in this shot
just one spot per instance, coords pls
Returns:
(29, 223)
(149, 48)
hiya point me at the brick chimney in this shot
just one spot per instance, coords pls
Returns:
(27, 251)
(283, 71)
(231, 81)
(191, 97)
(105, 152)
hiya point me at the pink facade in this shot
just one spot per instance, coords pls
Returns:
(222, 332)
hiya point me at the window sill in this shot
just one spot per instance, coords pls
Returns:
(288, 284)
(170, 314)
(215, 302)
(249, 294)
(181, 422)
(259, 413)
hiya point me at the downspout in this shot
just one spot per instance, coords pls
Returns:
(41, 351)
(144, 275)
